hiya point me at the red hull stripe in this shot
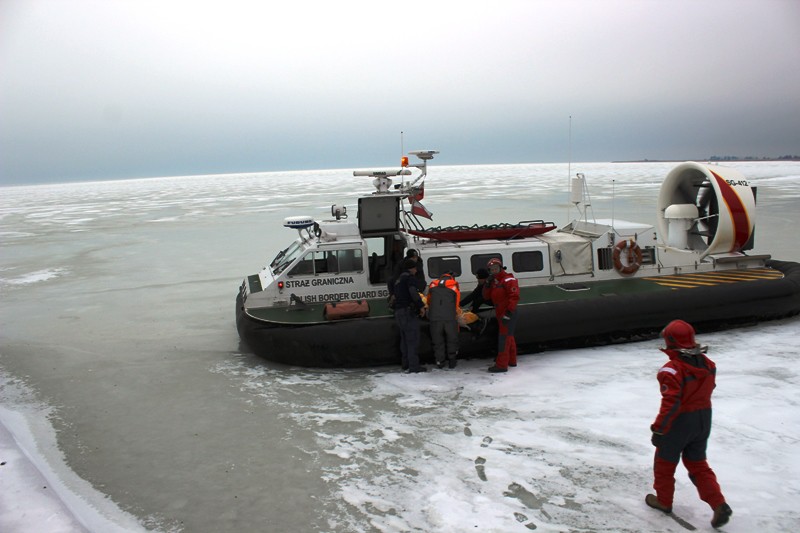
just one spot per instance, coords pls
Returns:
(741, 222)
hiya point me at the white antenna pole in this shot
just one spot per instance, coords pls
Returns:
(569, 165)
(613, 197)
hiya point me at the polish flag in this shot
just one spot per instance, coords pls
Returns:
(417, 193)
(420, 210)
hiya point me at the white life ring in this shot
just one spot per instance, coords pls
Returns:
(634, 257)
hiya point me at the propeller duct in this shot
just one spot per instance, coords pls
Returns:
(724, 203)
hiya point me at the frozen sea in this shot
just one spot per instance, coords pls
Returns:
(127, 403)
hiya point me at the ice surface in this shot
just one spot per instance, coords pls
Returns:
(561, 442)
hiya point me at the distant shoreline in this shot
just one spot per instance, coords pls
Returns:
(713, 159)
(716, 159)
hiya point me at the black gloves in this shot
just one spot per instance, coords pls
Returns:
(656, 439)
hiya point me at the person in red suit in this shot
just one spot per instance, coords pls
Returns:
(503, 291)
(683, 424)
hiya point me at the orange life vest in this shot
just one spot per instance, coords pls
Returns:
(447, 280)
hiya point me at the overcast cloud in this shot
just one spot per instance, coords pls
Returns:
(113, 89)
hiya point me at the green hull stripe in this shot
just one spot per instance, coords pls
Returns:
(540, 294)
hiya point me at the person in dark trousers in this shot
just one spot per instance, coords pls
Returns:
(503, 290)
(683, 424)
(408, 307)
(443, 296)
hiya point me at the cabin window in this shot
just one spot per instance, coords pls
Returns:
(304, 267)
(481, 260)
(311, 263)
(286, 257)
(527, 261)
(345, 260)
(328, 262)
(442, 265)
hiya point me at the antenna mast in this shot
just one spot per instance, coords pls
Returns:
(569, 164)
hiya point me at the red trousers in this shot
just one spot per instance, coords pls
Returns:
(507, 351)
(699, 472)
(506, 343)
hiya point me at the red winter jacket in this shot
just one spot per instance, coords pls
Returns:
(686, 386)
(503, 291)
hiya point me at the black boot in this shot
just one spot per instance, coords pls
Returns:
(721, 515)
(652, 501)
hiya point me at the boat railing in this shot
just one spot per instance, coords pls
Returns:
(410, 221)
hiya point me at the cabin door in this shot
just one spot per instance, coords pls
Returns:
(384, 254)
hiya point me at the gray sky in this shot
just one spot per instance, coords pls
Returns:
(114, 89)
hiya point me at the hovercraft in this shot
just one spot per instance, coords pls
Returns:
(322, 301)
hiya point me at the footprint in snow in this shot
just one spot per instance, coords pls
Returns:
(522, 518)
(486, 442)
(479, 462)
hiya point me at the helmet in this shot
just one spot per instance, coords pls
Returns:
(679, 335)
(494, 261)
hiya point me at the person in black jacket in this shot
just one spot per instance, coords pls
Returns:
(408, 307)
(420, 275)
(476, 296)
